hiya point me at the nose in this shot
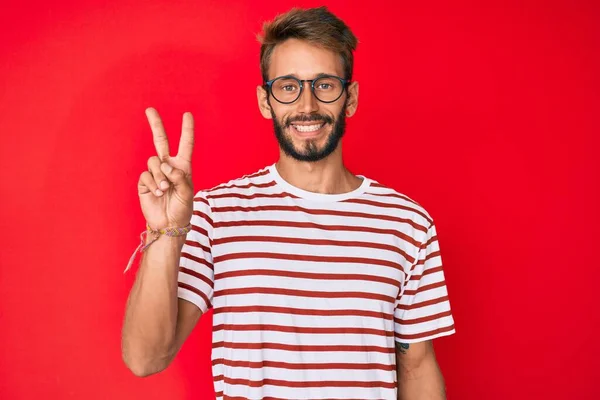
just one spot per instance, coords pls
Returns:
(307, 103)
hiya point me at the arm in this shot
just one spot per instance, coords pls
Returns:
(422, 313)
(156, 321)
(419, 376)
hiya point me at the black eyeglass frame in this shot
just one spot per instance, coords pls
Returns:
(268, 85)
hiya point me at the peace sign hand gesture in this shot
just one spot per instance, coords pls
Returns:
(166, 191)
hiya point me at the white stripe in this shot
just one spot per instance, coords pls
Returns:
(255, 355)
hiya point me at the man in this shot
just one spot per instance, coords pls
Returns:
(323, 284)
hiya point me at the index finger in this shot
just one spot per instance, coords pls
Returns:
(161, 143)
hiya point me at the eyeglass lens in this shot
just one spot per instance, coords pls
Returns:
(287, 90)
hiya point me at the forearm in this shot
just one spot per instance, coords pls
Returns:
(151, 313)
(424, 382)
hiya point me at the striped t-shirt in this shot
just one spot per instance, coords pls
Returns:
(309, 291)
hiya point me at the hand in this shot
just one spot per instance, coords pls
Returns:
(166, 191)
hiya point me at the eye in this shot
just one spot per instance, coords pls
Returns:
(327, 84)
(286, 86)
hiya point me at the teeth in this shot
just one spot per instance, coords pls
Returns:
(307, 128)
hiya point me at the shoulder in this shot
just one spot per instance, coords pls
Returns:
(409, 210)
(241, 186)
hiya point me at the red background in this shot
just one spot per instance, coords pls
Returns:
(485, 113)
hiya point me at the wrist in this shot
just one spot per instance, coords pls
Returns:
(168, 238)
(180, 240)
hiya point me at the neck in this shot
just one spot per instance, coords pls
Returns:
(327, 176)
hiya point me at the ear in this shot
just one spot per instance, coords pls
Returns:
(263, 102)
(352, 100)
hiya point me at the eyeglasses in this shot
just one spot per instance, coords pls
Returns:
(326, 88)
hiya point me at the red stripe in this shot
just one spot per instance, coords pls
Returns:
(248, 186)
(204, 217)
(262, 172)
(431, 255)
(431, 240)
(302, 384)
(301, 329)
(200, 230)
(203, 232)
(310, 211)
(194, 290)
(193, 243)
(251, 196)
(388, 205)
(201, 200)
(425, 334)
(196, 259)
(422, 261)
(195, 274)
(295, 347)
(314, 242)
(392, 194)
(303, 293)
(307, 275)
(422, 303)
(302, 311)
(428, 271)
(291, 224)
(378, 185)
(302, 257)
(424, 288)
(302, 366)
(422, 319)
(227, 397)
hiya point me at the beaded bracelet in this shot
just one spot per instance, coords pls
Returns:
(166, 231)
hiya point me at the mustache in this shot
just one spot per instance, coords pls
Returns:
(309, 118)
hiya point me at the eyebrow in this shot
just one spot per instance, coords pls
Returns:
(319, 75)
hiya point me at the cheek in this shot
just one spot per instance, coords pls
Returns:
(332, 112)
(281, 114)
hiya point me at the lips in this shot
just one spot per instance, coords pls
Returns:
(306, 128)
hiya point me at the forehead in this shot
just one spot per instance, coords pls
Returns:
(305, 60)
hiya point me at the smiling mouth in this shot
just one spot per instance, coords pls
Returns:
(306, 130)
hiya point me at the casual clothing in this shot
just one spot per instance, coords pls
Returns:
(309, 290)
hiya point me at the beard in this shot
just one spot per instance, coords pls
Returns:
(311, 151)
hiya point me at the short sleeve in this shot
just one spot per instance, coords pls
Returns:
(196, 272)
(422, 308)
